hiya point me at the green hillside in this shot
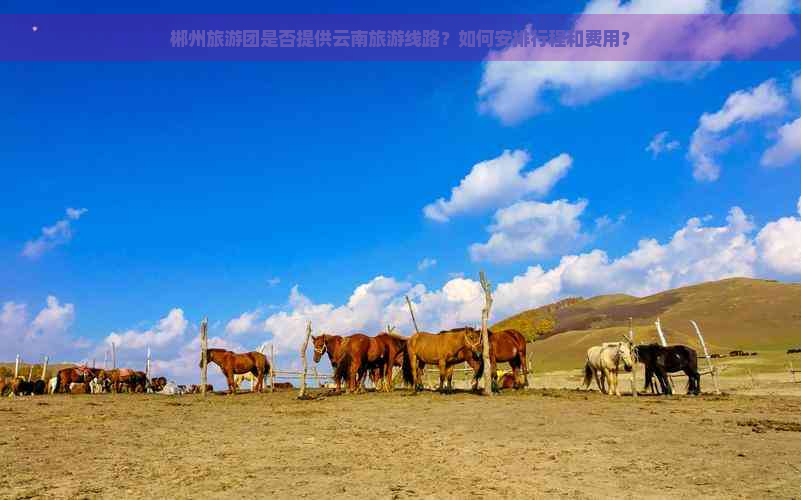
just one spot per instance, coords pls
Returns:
(737, 313)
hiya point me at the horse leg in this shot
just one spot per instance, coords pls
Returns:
(604, 380)
(229, 376)
(443, 371)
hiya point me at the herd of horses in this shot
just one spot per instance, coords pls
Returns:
(356, 356)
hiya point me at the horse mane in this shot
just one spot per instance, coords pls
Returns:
(454, 330)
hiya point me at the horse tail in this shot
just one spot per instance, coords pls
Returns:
(408, 377)
(587, 374)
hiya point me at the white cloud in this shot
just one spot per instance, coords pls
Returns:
(743, 106)
(780, 245)
(517, 80)
(787, 148)
(530, 229)
(660, 144)
(274, 281)
(246, 322)
(426, 263)
(54, 318)
(498, 182)
(53, 236)
(168, 329)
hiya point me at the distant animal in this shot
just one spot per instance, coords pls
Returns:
(283, 385)
(21, 387)
(239, 378)
(232, 363)
(75, 375)
(96, 386)
(794, 350)
(52, 385)
(3, 385)
(171, 389)
(659, 361)
(158, 383)
(506, 346)
(78, 388)
(603, 363)
(197, 389)
(39, 387)
(119, 379)
(444, 349)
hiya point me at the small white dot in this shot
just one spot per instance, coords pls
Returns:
(35, 28)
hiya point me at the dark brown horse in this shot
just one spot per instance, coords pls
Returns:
(444, 349)
(234, 363)
(506, 346)
(75, 375)
(158, 383)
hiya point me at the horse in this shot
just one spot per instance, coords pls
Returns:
(234, 363)
(506, 346)
(356, 354)
(660, 361)
(119, 378)
(52, 385)
(444, 349)
(74, 375)
(21, 387)
(158, 383)
(385, 353)
(39, 387)
(603, 363)
(239, 378)
(328, 344)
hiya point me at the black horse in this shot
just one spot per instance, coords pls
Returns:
(659, 361)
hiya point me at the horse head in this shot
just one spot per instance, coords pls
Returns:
(472, 338)
(319, 347)
(624, 352)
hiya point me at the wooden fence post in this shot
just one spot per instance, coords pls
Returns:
(634, 358)
(148, 374)
(44, 368)
(113, 356)
(16, 367)
(272, 367)
(662, 339)
(411, 311)
(303, 349)
(792, 369)
(204, 353)
(708, 359)
(105, 360)
(485, 312)
(30, 373)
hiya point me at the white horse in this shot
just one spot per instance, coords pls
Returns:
(51, 385)
(603, 363)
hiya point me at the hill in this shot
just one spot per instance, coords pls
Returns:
(736, 313)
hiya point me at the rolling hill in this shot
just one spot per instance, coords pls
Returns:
(736, 313)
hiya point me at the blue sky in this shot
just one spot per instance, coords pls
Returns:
(214, 188)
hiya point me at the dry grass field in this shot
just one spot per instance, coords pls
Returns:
(540, 443)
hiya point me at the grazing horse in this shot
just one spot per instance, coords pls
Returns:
(506, 346)
(232, 363)
(119, 378)
(603, 362)
(444, 349)
(660, 361)
(74, 375)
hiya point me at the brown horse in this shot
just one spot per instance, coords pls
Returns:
(158, 383)
(233, 363)
(75, 375)
(506, 346)
(357, 354)
(444, 349)
(330, 345)
(389, 348)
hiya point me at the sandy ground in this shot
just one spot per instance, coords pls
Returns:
(540, 443)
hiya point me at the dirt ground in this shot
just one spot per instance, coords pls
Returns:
(540, 443)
